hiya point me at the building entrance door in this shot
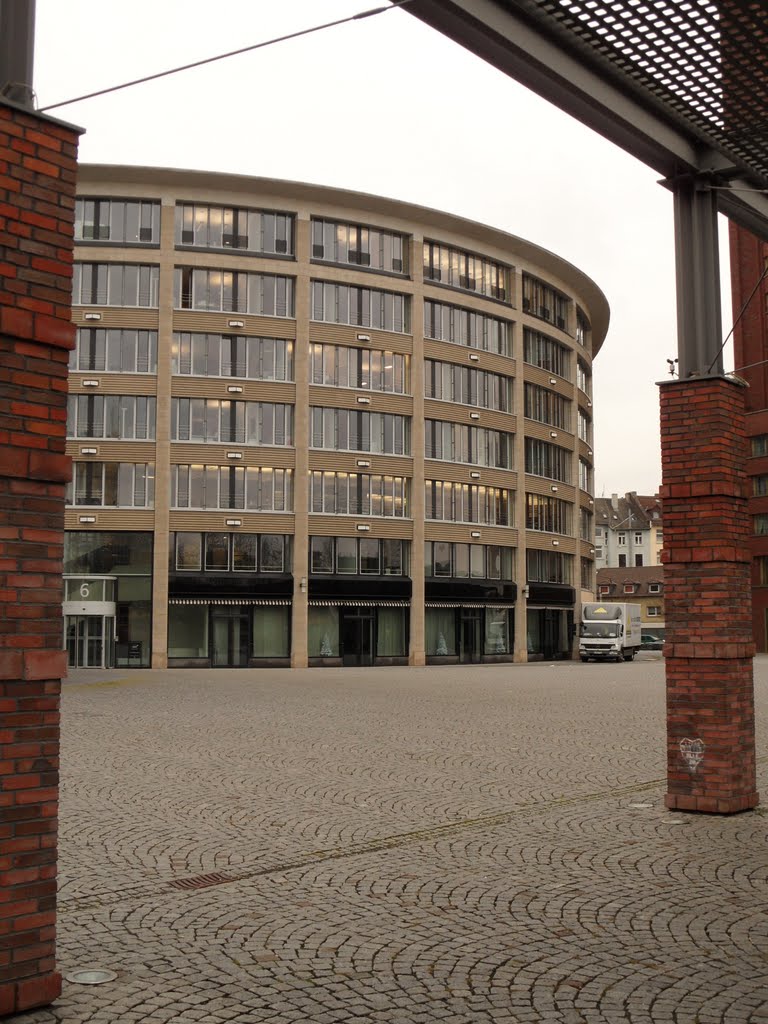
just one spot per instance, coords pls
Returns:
(90, 641)
(357, 637)
(231, 636)
(470, 635)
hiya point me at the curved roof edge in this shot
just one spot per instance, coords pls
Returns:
(594, 297)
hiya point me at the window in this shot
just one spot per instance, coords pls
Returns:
(760, 485)
(232, 227)
(364, 556)
(231, 355)
(759, 445)
(638, 560)
(654, 588)
(467, 503)
(638, 538)
(548, 407)
(585, 526)
(213, 419)
(114, 350)
(585, 427)
(654, 611)
(622, 561)
(549, 567)
(121, 221)
(629, 588)
(461, 269)
(457, 442)
(545, 459)
(121, 417)
(359, 246)
(586, 482)
(598, 552)
(115, 284)
(604, 589)
(760, 524)
(583, 377)
(550, 515)
(583, 328)
(543, 351)
(358, 494)
(544, 301)
(233, 291)
(232, 487)
(586, 573)
(462, 385)
(475, 561)
(360, 307)
(460, 326)
(345, 367)
(350, 430)
(112, 484)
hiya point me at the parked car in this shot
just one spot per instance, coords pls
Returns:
(651, 642)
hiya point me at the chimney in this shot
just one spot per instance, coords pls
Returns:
(615, 502)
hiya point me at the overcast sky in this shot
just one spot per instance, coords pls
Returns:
(389, 106)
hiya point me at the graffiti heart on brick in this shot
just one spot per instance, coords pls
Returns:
(692, 752)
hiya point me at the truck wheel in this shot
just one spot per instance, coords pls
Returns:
(629, 656)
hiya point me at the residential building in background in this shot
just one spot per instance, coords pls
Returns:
(311, 426)
(643, 585)
(628, 531)
(749, 258)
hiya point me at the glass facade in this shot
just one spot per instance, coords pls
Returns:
(268, 375)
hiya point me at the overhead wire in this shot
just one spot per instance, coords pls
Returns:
(742, 311)
(223, 56)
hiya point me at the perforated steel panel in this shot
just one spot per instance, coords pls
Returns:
(700, 63)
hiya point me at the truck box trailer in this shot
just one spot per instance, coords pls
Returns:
(609, 632)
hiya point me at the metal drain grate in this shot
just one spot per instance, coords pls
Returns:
(200, 881)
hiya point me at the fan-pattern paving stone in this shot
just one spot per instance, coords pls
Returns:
(389, 846)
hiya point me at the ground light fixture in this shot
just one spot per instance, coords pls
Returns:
(90, 976)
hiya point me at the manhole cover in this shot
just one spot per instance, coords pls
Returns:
(90, 976)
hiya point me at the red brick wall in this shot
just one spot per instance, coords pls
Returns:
(37, 187)
(709, 646)
(750, 344)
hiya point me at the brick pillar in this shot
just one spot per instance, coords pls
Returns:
(709, 645)
(37, 185)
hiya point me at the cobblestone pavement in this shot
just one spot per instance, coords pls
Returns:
(462, 844)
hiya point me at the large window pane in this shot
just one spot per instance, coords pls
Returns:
(270, 634)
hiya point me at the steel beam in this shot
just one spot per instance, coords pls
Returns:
(699, 326)
(17, 48)
(610, 104)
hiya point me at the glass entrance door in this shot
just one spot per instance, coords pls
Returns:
(90, 641)
(231, 636)
(470, 648)
(356, 637)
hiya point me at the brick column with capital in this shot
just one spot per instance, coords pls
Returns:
(37, 197)
(709, 645)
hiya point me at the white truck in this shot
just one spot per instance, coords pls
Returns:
(609, 632)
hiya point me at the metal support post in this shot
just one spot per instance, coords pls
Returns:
(17, 50)
(699, 325)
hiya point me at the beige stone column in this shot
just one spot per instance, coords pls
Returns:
(301, 442)
(417, 654)
(520, 652)
(162, 439)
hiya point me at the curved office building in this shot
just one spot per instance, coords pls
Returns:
(316, 427)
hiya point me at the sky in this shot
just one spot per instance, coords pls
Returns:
(389, 106)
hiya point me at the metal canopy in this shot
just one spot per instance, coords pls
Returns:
(680, 84)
